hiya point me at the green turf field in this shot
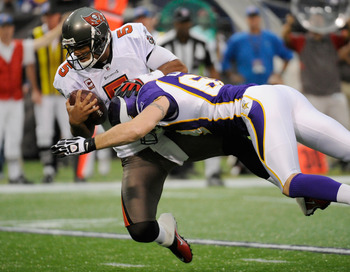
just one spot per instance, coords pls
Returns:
(66, 214)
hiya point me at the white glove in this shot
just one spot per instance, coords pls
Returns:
(75, 146)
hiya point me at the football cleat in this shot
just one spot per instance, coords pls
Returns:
(309, 205)
(20, 180)
(47, 179)
(179, 246)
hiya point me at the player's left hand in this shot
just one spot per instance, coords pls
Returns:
(129, 87)
(74, 146)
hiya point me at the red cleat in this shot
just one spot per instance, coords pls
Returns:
(181, 248)
(177, 244)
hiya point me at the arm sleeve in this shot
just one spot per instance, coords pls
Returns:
(153, 55)
(159, 56)
(141, 40)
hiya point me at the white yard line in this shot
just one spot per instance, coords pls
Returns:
(238, 182)
(59, 223)
(264, 261)
(116, 186)
(315, 249)
(123, 265)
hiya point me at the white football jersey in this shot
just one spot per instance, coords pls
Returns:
(131, 46)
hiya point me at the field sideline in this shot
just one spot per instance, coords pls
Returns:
(60, 216)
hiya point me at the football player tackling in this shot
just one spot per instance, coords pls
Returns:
(274, 116)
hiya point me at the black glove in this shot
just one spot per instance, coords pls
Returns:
(75, 146)
(129, 87)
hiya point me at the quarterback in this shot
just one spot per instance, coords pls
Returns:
(103, 61)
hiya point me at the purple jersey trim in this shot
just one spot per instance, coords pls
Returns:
(257, 117)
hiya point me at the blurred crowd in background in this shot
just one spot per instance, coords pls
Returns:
(238, 42)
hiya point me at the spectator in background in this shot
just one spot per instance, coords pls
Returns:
(253, 53)
(344, 66)
(8, 7)
(319, 69)
(249, 58)
(48, 103)
(190, 47)
(195, 52)
(344, 56)
(14, 54)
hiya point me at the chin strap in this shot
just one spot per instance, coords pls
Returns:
(150, 139)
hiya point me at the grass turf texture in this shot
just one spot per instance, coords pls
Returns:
(51, 253)
(235, 214)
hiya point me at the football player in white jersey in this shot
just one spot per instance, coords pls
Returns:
(274, 116)
(102, 61)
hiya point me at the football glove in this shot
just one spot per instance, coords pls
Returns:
(74, 146)
(129, 87)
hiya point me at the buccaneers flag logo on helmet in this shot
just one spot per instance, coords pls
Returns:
(94, 19)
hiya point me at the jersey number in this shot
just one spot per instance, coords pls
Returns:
(204, 84)
(64, 69)
(123, 31)
(110, 87)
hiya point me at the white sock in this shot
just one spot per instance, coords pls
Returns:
(49, 170)
(343, 195)
(161, 236)
(14, 169)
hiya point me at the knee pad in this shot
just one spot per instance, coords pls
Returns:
(144, 232)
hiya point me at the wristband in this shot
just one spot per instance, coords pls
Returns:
(151, 76)
(90, 145)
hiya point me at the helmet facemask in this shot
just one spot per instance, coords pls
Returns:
(97, 47)
(85, 28)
